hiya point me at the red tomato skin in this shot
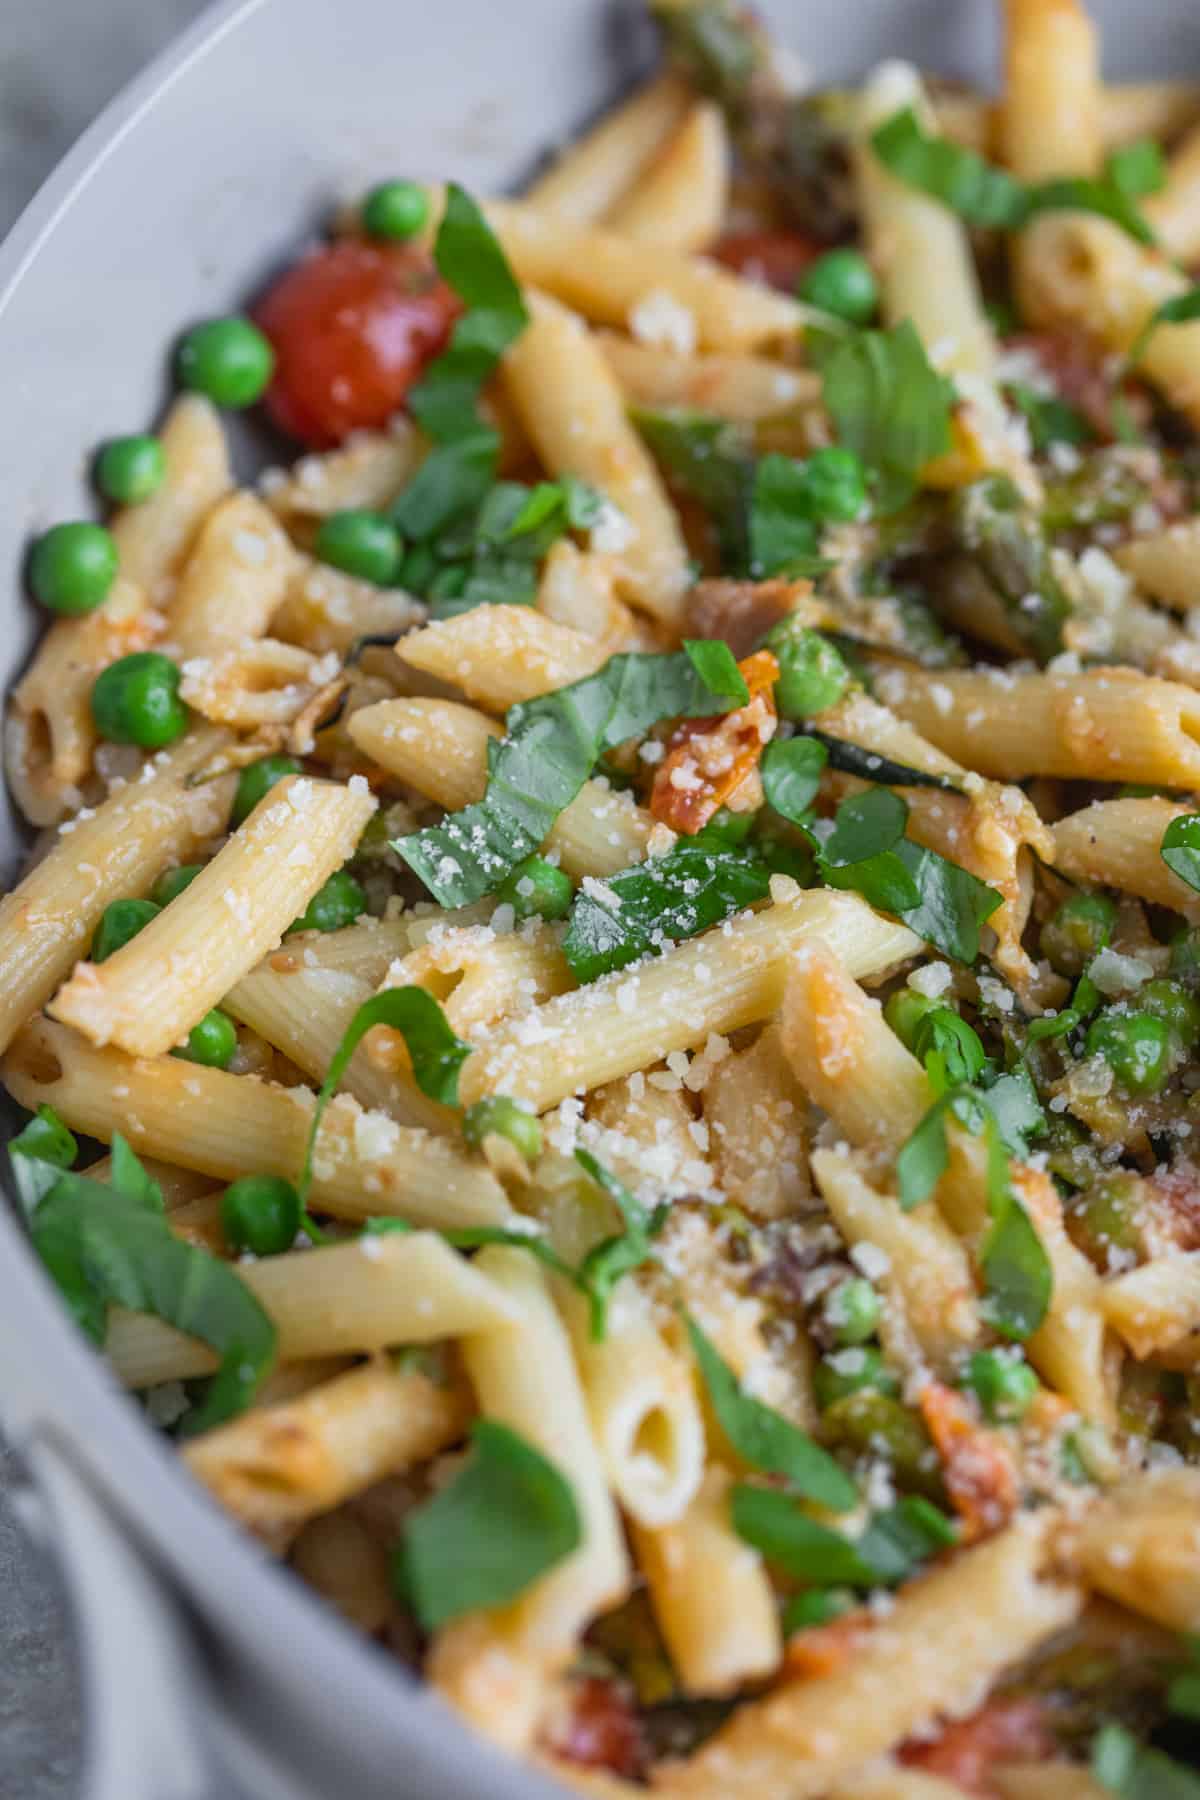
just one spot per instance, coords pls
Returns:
(776, 258)
(353, 327)
(968, 1750)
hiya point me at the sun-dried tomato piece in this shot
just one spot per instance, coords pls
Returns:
(708, 759)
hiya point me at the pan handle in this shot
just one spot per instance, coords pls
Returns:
(145, 1686)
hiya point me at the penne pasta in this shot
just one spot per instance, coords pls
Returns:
(1050, 122)
(1115, 843)
(591, 176)
(681, 197)
(1138, 1545)
(154, 536)
(1164, 564)
(500, 655)
(369, 470)
(1174, 212)
(743, 388)
(1156, 1308)
(235, 577)
(755, 1113)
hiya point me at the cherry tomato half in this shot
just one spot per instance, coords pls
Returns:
(353, 327)
(776, 258)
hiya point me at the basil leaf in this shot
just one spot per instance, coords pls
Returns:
(710, 461)
(1013, 1103)
(492, 581)
(1075, 193)
(507, 1518)
(882, 880)
(868, 765)
(894, 1543)
(907, 1534)
(475, 1237)
(1018, 1277)
(866, 825)
(38, 1155)
(791, 775)
(471, 261)
(961, 179)
(655, 903)
(890, 406)
(437, 1054)
(952, 903)
(550, 747)
(1120, 1764)
(956, 1045)
(451, 481)
(606, 1262)
(923, 1157)
(1180, 848)
(719, 47)
(1136, 169)
(766, 1440)
(1179, 311)
(1050, 420)
(1183, 1694)
(105, 1247)
(784, 538)
(716, 665)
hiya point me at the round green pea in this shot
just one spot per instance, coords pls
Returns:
(395, 209)
(905, 1010)
(172, 882)
(1179, 1010)
(852, 1311)
(850, 1372)
(870, 1421)
(816, 1606)
(1004, 1385)
(1107, 1216)
(72, 567)
(211, 1042)
(812, 673)
(129, 469)
(136, 701)
(417, 570)
(1135, 1045)
(363, 543)
(46, 1137)
(837, 488)
(537, 887)
(843, 283)
(1082, 925)
(333, 906)
(260, 1213)
(498, 1116)
(257, 779)
(1185, 955)
(228, 360)
(120, 921)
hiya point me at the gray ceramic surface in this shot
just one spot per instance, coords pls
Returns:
(207, 173)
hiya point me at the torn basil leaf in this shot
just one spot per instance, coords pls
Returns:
(791, 776)
(1180, 848)
(606, 1262)
(894, 1544)
(1181, 310)
(890, 406)
(657, 903)
(1017, 1274)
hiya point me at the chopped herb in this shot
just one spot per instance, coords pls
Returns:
(1179, 311)
(508, 1517)
(643, 908)
(452, 481)
(784, 533)
(1120, 1764)
(943, 1038)
(606, 1262)
(791, 775)
(1183, 1694)
(1017, 1274)
(712, 462)
(1136, 169)
(1180, 848)
(1050, 420)
(893, 1545)
(889, 405)
(953, 903)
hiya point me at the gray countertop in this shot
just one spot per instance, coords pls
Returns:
(62, 61)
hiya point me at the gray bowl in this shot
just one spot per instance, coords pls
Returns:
(207, 1669)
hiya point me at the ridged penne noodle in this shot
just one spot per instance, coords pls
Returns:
(681, 197)
(1165, 564)
(369, 1294)
(368, 470)
(1156, 1308)
(754, 1109)
(278, 1466)
(920, 247)
(499, 655)
(887, 1780)
(1048, 1781)
(946, 1639)
(743, 388)
(574, 412)
(1104, 725)
(727, 978)
(366, 949)
(260, 684)
(927, 1283)
(147, 996)
(325, 609)
(1115, 843)
(340, 1560)
(1050, 119)
(440, 748)
(710, 1593)
(479, 975)
(50, 734)
(1072, 1348)
(591, 176)
(1174, 212)
(226, 1124)
(141, 829)
(1139, 1545)
(577, 589)
(153, 537)
(234, 578)
(1129, 110)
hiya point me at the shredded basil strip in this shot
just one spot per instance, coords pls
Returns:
(112, 1246)
(1180, 848)
(1017, 1275)
(764, 1439)
(710, 461)
(1120, 1764)
(657, 903)
(550, 747)
(1179, 311)
(791, 775)
(784, 535)
(982, 194)
(453, 480)
(437, 1054)
(889, 405)
(606, 1262)
(505, 1519)
(1050, 420)
(1136, 169)
(894, 1543)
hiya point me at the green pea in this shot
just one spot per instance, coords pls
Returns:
(363, 543)
(1082, 925)
(812, 673)
(850, 1372)
(842, 282)
(395, 209)
(172, 882)
(72, 567)
(498, 1116)
(537, 887)
(1107, 1216)
(1185, 955)
(1005, 1385)
(836, 484)
(212, 1042)
(260, 1213)
(852, 1311)
(904, 1011)
(1135, 1045)
(46, 1137)
(129, 469)
(229, 360)
(1179, 1010)
(417, 570)
(120, 921)
(257, 779)
(333, 906)
(816, 1606)
(1142, 1400)
(136, 701)
(871, 1421)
